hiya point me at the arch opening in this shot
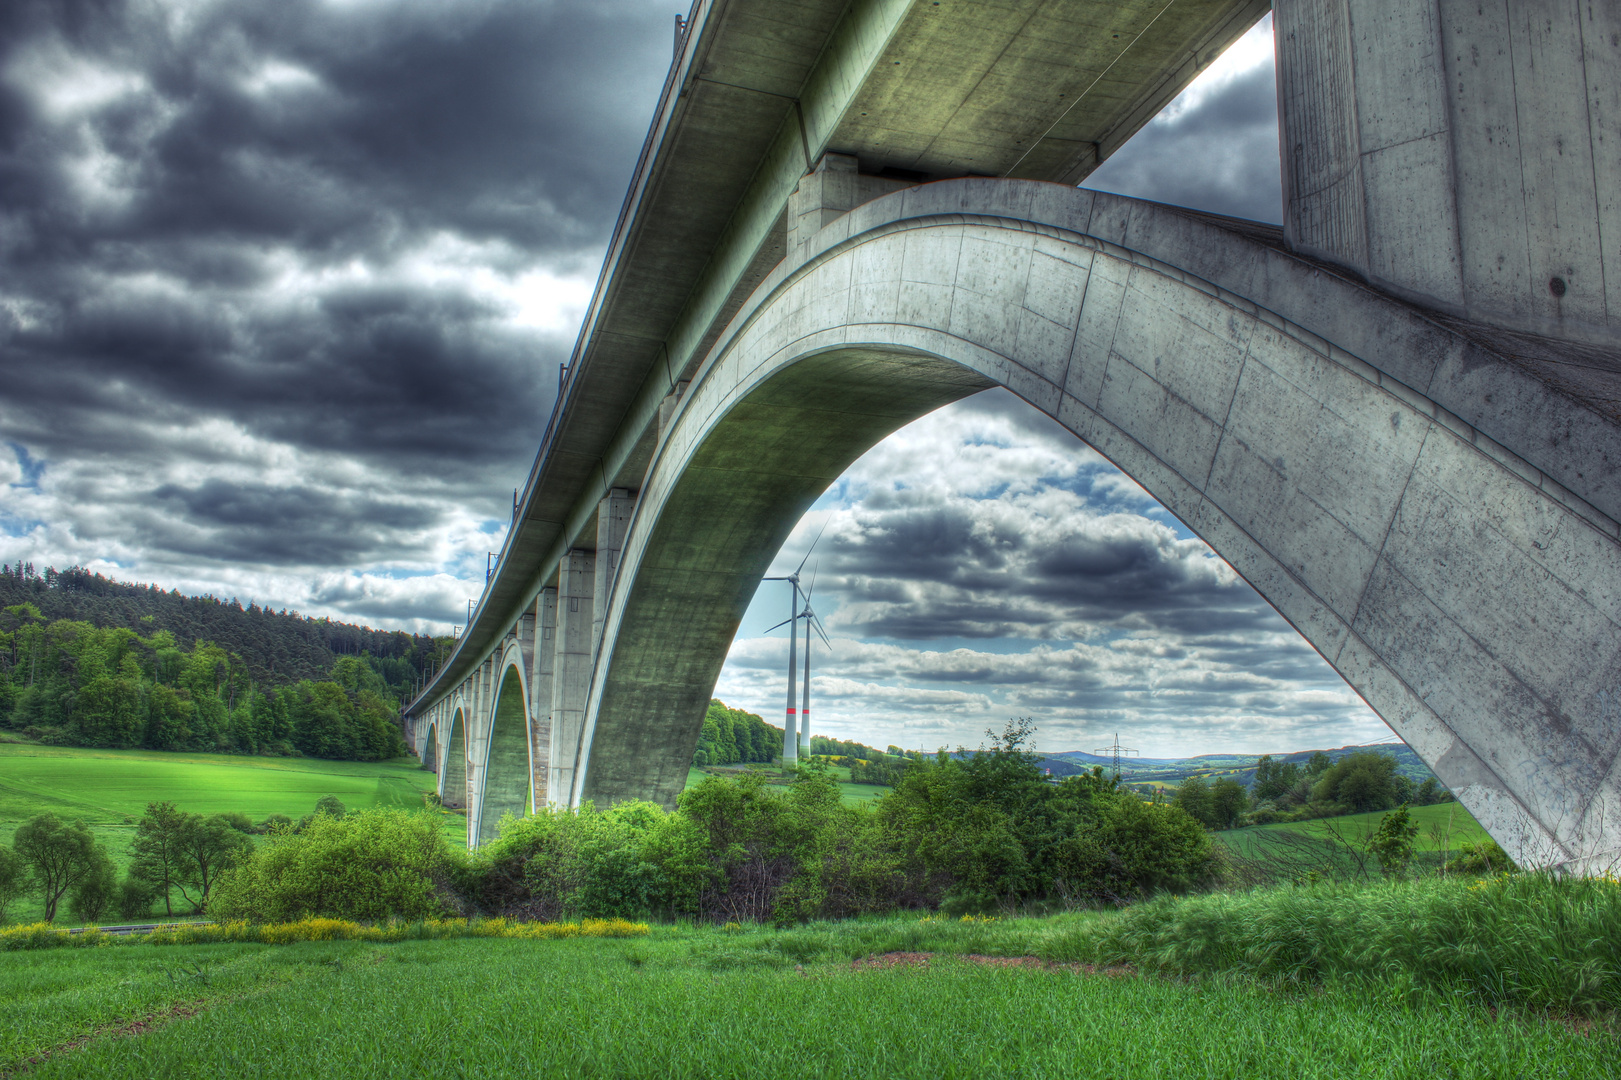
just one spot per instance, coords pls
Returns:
(453, 776)
(507, 770)
(1347, 502)
(430, 750)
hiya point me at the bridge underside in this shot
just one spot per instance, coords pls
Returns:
(1396, 418)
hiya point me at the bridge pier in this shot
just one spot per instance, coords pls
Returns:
(571, 673)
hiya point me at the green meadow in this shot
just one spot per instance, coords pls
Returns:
(691, 1001)
(108, 790)
(1442, 826)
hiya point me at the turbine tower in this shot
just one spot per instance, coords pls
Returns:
(794, 722)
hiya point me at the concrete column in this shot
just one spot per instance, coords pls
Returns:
(834, 188)
(571, 670)
(478, 744)
(1466, 156)
(613, 517)
(540, 695)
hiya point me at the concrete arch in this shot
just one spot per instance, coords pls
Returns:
(453, 774)
(506, 768)
(1470, 600)
(429, 751)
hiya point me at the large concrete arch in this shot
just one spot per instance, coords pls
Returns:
(428, 752)
(1340, 449)
(453, 774)
(506, 768)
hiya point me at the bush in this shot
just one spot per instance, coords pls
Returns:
(134, 898)
(370, 865)
(97, 891)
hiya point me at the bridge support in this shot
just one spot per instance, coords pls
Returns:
(1463, 155)
(542, 663)
(571, 672)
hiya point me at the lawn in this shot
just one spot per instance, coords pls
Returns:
(699, 1002)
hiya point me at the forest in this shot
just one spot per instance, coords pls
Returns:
(87, 661)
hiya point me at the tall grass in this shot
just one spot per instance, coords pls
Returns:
(1524, 939)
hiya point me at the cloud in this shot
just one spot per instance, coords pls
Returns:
(1214, 148)
(284, 287)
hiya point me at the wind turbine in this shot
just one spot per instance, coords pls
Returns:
(790, 742)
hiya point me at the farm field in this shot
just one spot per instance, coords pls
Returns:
(1440, 827)
(701, 1002)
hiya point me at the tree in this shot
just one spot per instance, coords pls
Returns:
(58, 856)
(1228, 799)
(207, 846)
(1194, 797)
(1361, 782)
(13, 878)
(158, 850)
(1392, 844)
(1273, 779)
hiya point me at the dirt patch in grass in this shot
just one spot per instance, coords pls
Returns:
(150, 1022)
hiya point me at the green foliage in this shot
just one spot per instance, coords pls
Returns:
(1481, 857)
(1525, 939)
(1361, 782)
(1392, 842)
(59, 856)
(13, 878)
(96, 893)
(731, 736)
(108, 675)
(965, 832)
(368, 866)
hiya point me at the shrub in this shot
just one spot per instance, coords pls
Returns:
(13, 878)
(96, 892)
(370, 866)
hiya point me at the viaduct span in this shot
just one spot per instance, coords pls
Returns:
(1398, 417)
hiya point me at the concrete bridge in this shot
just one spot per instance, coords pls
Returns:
(1396, 417)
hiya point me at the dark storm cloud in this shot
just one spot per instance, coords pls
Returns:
(284, 286)
(1217, 153)
(918, 565)
(292, 525)
(257, 211)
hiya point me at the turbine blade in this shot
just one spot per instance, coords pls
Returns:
(814, 542)
(814, 567)
(784, 622)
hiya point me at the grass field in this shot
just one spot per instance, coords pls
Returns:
(108, 790)
(699, 1002)
(1442, 826)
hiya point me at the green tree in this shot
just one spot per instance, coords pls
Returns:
(58, 856)
(1228, 799)
(1194, 797)
(1392, 843)
(1361, 782)
(13, 878)
(158, 850)
(208, 846)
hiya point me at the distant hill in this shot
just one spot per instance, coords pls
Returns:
(1241, 767)
(277, 648)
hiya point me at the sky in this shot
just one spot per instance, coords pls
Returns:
(283, 292)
